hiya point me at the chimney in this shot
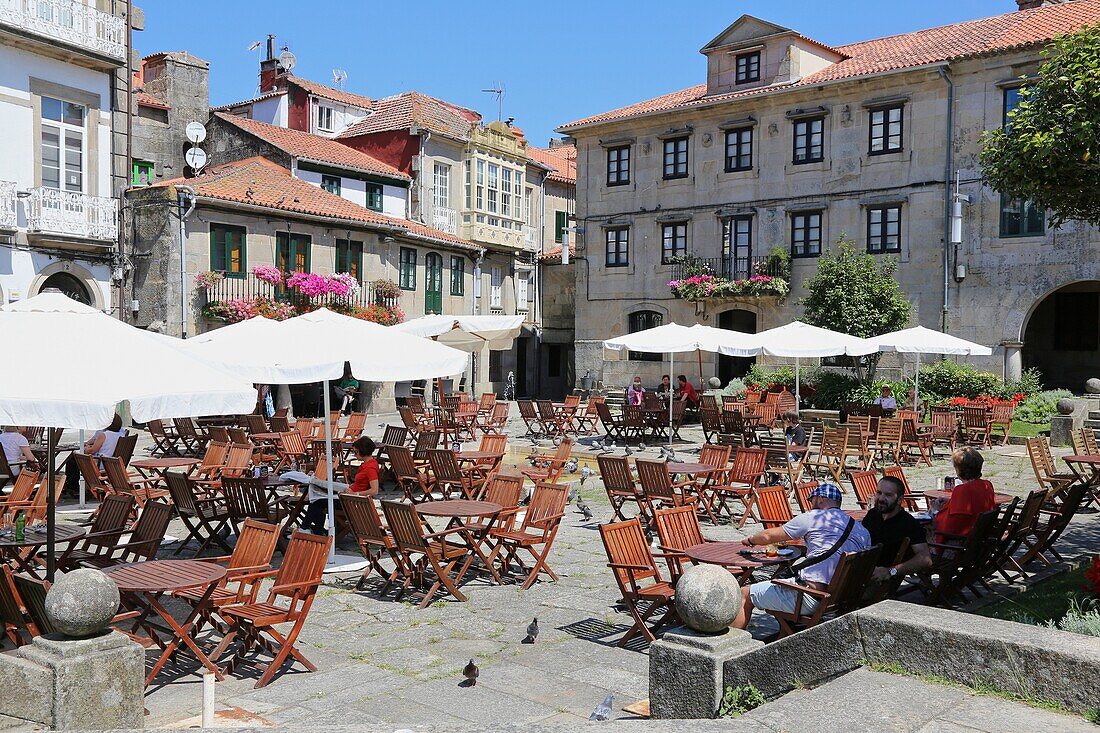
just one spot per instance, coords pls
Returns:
(269, 67)
(1031, 4)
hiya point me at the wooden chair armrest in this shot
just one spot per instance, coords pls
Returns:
(291, 588)
(801, 588)
(622, 566)
(443, 533)
(235, 574)
(124, 616)
(548, 521)
(251, 577)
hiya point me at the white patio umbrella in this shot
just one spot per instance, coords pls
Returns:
(468, 333)
(69, 366)
(801, 341)
(920, 340)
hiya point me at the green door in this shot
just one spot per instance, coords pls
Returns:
(433, 295)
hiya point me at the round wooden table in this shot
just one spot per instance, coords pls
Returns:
(690, 468)
(459, 510)
(944, 495)
(478, 455)
(143, 583)
(17, 552)
(728, 555)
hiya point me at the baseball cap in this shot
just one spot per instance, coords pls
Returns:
(827, 491)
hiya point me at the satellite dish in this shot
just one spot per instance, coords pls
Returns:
(287, 60)
(196, 132)
(196, 158)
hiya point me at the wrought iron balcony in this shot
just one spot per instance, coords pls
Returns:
(445, 220)
(8, 219)
(730, 268)
(69, 214)
(69, 21)
(249, 287)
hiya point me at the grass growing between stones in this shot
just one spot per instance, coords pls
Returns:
(1047, 600)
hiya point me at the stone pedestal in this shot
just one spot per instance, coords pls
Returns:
(1014, 361)
(686, 670)
(75, 684)
(1061, 426)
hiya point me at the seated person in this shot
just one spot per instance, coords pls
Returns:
(889, 525)
(635, 393)
(796, 434)
(665, 388)
(886, 400)
(828, 533)
(687, 391)
(346, 390)
(17, 450)
(911, 400)
(968, 499)
(102, 444)
(366, 482)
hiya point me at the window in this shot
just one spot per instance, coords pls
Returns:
(442, 180)
(809, 140)
(331, 184)
(737, 247)
(458, 275)
(1076, 321)
(292, 251)
(618, 247)
(674, 241)
(62, 145)
(481, 184)
(553, 361)
(640, 321)
(506, 193)
(884, 229)
(739, 149)
(1011, 101)
(523, 282)
(324, 118)
(142, 173)
(561, 223)
(748, 67)
(618, 166)
(227, 250)
(469, 186)
(349, 258)
(806, 234)
(374, 196)
(495, 287)
(492, 189)
(676, 158)
(1021, 218)
(406, 273)
(886, 126)
(433, 283)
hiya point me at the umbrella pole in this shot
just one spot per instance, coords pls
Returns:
(797, 387)
(51, 504)
(916, 388)
(699, 356)
(671, 376)
(83, 487)
(328, 477)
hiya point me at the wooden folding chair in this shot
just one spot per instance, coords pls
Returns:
(748, 466)
(659, 491)
(644, 591)
(413, 482)
(531, 420)
(212, 461)
(496, 421)
(550, 472)
(490, 443)
(1000, 419)
(124, 448)
(427, 440)
(535, 534)
(254, 424)
(357, 423)
(710, 415)
(21, 496)
(1046, 471)
(145, 539)
(205, 517)
(914, 436)
(618, 482)
(247, 498)
(771, 506)
(372, 537)
(614, 425)
(192, 440)
(107, 527)
(420, 550)
(448, 477)
(678, 529)
(588, 421)
(802, 494)
(279, 423)
(975, 425)
(832, 456)
(843, 594)
(291, 450)
(165, 439)
(255, 623)
(887, 439)
(865, 486)
(945, 427)
(218, 433)
(912, 501)
(142, 490)
(14, 621)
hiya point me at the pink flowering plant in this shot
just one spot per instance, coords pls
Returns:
(207, 280)
(271, 275)
(711, 286)
(235, 310)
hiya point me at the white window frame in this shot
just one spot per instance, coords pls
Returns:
(442, 181)
(495, 287)
(323, 117)
(64, 130)
(523, 283)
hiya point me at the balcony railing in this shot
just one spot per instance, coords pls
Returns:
(68, 21)
(51, 211)
(730, 268)
(248, 286)
(7, 205)
(445, 220)
(530, 236)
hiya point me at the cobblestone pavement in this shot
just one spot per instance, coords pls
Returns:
(387, 663)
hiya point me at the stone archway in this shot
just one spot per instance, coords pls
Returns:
(745, 321)
(1061, 335)
(71, 279)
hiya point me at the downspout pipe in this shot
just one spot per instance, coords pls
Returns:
(949, 164)
(186, 200)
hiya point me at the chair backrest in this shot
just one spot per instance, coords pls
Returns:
(156, 428)
(255, 545)
(394, 435)
(488, 399)
(717, 456)
(500, 413)
(303, 566)
(357, 421)
(771, 398)
(889, 431)
(214, 457)
(802, 494)
(444, 465)
(218, 434)
(944, 419)
(546, 410)
(304, 425)
(572, 400)
(547, 501)
(124, 448)
(32, 592)
(117, 476)
(710, 416)
(655, 481)
(850, 579)
(1041, 462)
(834, 442)
(401, 461)
(565, 447)
(181, 492)
(625, 545)
(415, 403)
(907, 415)
(865, 485)
(405, 525)
(185, 427)
(254, 423)
(863, 422)
(604, 413)
(110, 520)
(237, 460)
(493, 443)
(786, 402)
(426, 440)
(246, 497)
(291, 443)
(753, 398)
(37, 511)
(766, 413)
(239, 436)
(975, 417)
(362, 514)
(708, 402)
(899, 473)
(279, 424)
(772, 506)
(527, 410)
(1002, 412)
(678, 527)
(149, 529)
(748, 464)
(615, 473)
(504, 490)
(1077, 440)
(22, 490)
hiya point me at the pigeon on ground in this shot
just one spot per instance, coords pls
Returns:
(571, 465)
(603, 710)
(597, 443)
(557, 440)
(571, 496)
(470, 672)
(532, 631)
(628, 451)
(584, 509)
(585, 473)
(641, 446)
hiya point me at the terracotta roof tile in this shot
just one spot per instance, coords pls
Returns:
(565, 167)
(145, 99)
(335, 95)
(262, 97)
(413, 108)
(935, 45)
(259, 182)
(314, 147)
(554, 254)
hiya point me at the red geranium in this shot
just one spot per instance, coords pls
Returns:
(1093, 576)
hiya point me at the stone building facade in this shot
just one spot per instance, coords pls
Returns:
(791, 144)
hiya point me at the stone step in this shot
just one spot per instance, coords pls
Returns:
(1093, 423)
(1094, 414)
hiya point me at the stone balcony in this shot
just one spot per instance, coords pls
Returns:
(65, 215)
(445, 220)
(59, 27)
(8, 218)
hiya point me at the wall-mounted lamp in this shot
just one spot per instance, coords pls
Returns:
(958, 199)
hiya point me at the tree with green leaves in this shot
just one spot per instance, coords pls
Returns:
(1048, 152)
(855, 293)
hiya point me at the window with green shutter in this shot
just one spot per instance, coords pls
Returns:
(561, 222)
(374, 196)
(407, 269)
(142, 173)
(458, 275)
(331, 184)
(349, 258)
(227, 250)
(292, 251)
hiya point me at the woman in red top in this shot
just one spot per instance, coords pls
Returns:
(366, 482)
(968, 499)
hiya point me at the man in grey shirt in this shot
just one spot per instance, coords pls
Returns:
(821, 528)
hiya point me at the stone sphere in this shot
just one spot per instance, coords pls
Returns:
(708, 598)
(1092, 386)
(82, 602)
(1066, 406)
(715, 383)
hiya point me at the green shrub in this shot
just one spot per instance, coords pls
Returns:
(735, 388)
(1083, 617)
(958, 380)
(739, 700)
(866, 393)
(1040, 407)
(1029, 383)
(761, 376)
(831, 389)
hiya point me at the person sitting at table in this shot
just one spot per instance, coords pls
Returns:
(890, 525)
(687, 391)
(911, 401)
(17, 449)
(665, 388)
(796, 434)
(828, 532)
(366, 482)
(102, 444)
(886, 400)
(346, 390)
(968, 499)
(635, 393)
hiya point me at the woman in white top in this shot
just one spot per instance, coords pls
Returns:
(101, 444)
(17, 450)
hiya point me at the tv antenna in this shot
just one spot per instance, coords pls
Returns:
(254, 45)
(497, 90)
(339, 76)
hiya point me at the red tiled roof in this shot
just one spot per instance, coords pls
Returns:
(259, 182)
(145, 99)
(314, 147)
(894, 53)
(413, 108)
(554, 254)
(262, 97)
(565, 168)
(336, 95)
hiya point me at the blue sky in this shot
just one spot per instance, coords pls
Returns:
(554, 67)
